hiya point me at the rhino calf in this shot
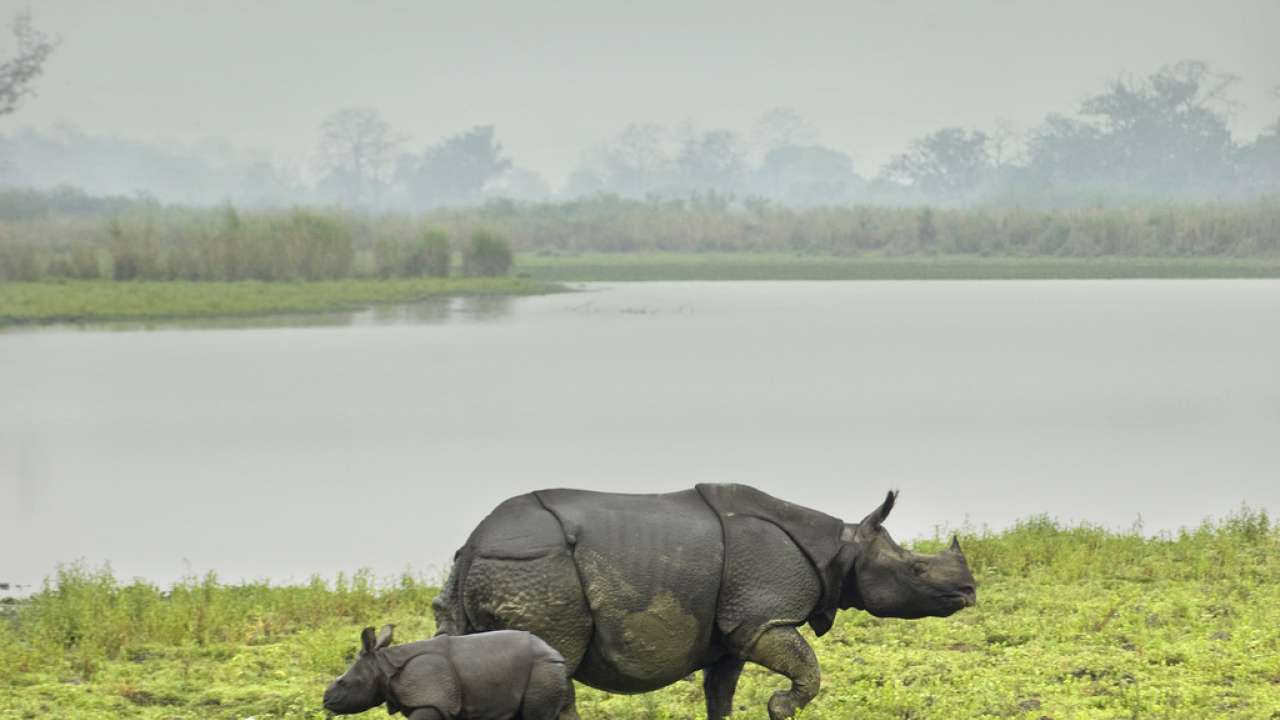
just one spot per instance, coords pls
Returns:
(497, 675)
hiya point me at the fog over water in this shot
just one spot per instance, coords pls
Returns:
(379, 439)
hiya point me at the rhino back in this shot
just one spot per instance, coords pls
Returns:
(650, 567)
(493, 669)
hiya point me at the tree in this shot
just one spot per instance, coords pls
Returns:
(711, 161)
(1164, 134)
(357, 155)
(781, 127)
(806, 175)
(17, 73)
(635, 163)
(949, 165)
(454, 171)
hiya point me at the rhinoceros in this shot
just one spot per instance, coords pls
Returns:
(638, 591)
(498, 675)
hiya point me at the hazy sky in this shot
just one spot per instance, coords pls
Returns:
(557, 77)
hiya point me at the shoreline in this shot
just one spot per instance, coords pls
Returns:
(717, 266)
(82, 302)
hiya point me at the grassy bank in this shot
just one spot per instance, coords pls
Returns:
(97, 300)
(621, 267)
(1071, 623)
(149, 242)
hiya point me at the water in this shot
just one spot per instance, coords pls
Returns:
(294, 446)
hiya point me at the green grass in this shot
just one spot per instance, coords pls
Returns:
(81, 301)
(615, 267)
(1071, 623)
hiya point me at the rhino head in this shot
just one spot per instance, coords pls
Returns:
(887, 580)
(363, 685)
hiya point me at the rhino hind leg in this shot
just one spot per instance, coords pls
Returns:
(540, 595)
(447, 608)
(782, 650)
(719, 682)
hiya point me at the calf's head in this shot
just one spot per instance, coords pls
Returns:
(891, 581)
(363, 685)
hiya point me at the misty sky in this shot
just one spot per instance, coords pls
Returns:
(558, 77)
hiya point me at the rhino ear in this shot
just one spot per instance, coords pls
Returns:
(367, 640)
(955, 544)
(384, 636)
(880, 514)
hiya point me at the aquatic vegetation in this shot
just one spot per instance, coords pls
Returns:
(86, 301)
(1072, 622)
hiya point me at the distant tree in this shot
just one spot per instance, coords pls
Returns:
(711, 161)
(805, 175)
(781, 127)
(1163, 135)
(949, 165)
(454, 171)
(357, 155)
(266, 185)
(32, 49)
(634, 163)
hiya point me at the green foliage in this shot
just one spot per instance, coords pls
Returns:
(427, 255)
(486, 255)
(77, 301)
(1071, 622)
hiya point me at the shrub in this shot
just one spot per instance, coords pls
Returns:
(427, 255)
(434, 255)
(487, 255)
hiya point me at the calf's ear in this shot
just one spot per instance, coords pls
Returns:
(384, 636)
(367, 640)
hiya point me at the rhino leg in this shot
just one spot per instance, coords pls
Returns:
(719, 681)
(782, 650)
(548, 695)
(426, 714)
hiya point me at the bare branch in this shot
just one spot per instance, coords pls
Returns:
(17, 73)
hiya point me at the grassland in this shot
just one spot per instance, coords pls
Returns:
(97, 300)
(1071, 623)
(621, 267)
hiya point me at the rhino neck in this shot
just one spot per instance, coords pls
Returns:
(839, 589)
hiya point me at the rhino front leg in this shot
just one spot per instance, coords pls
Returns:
(782, 650)
(719, 681)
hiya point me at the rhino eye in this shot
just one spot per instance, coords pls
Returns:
(919, 568)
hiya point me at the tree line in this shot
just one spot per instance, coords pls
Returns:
(1159, 138)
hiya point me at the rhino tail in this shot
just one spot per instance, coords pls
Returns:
(451, 617)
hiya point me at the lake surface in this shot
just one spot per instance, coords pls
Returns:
(280, 448)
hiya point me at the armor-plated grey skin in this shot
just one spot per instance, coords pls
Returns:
(502, 675)
(638, 591)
